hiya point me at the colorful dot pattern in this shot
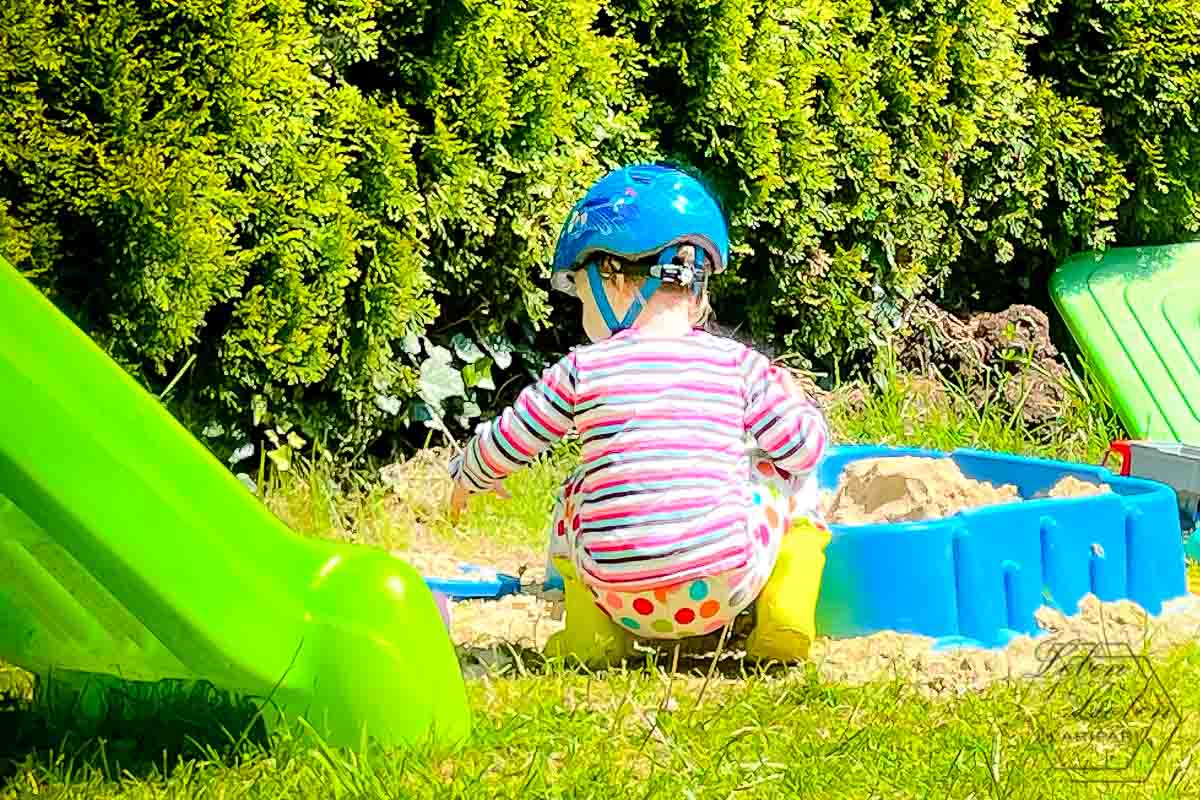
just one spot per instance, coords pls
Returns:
(688, 609)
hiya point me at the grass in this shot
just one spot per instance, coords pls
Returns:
(906, 410)
(564, 734)
(547, 732)
(897, 410)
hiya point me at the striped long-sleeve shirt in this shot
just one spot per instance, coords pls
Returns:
(663, 424)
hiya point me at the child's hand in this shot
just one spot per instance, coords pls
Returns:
(458, 498)
(458, 501)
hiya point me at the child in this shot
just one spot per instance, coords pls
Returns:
(671, 526)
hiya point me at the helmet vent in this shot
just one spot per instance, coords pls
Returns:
(643, 176)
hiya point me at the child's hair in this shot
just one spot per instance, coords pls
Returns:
(638, 272)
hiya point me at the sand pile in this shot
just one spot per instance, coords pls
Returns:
(1116, 625)
(493, 634)
(1071, 486)
(909, 488)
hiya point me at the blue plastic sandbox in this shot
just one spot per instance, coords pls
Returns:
(976, 578)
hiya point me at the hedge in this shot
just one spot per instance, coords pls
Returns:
(872, 152)
(1138, 63)
(193, 180)
(331, 219)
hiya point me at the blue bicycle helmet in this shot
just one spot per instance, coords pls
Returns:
(644, 212)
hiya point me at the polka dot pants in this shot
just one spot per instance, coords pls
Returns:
(700, 606)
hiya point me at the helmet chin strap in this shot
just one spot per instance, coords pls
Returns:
(642, 294)
(596, 282)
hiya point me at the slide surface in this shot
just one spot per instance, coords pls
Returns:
(1135, 313)
(128, 550)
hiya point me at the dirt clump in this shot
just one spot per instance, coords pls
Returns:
(1005, 357)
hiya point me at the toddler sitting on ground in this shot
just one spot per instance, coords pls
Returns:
(695, 496)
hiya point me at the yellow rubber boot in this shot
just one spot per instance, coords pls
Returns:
(786, 609)
(590, 636)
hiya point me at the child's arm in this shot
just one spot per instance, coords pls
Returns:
(541, 415)
(783, 420)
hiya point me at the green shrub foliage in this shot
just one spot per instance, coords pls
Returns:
(525, 104)
(189, 178)
(870, 150)
(332, 219)
(1138, 63)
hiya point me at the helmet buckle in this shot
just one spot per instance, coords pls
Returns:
(674, 273)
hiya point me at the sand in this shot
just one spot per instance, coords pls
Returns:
(910, 488)
(505, 634)
(1071, 486)
(525, 620)
(964, 670)
(502, 635)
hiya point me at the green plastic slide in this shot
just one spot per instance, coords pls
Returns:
(128, 550)
(1135, 313)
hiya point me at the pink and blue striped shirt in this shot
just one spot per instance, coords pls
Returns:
(664, 483)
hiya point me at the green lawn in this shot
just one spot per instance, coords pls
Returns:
(640, 732)
(565, 735)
